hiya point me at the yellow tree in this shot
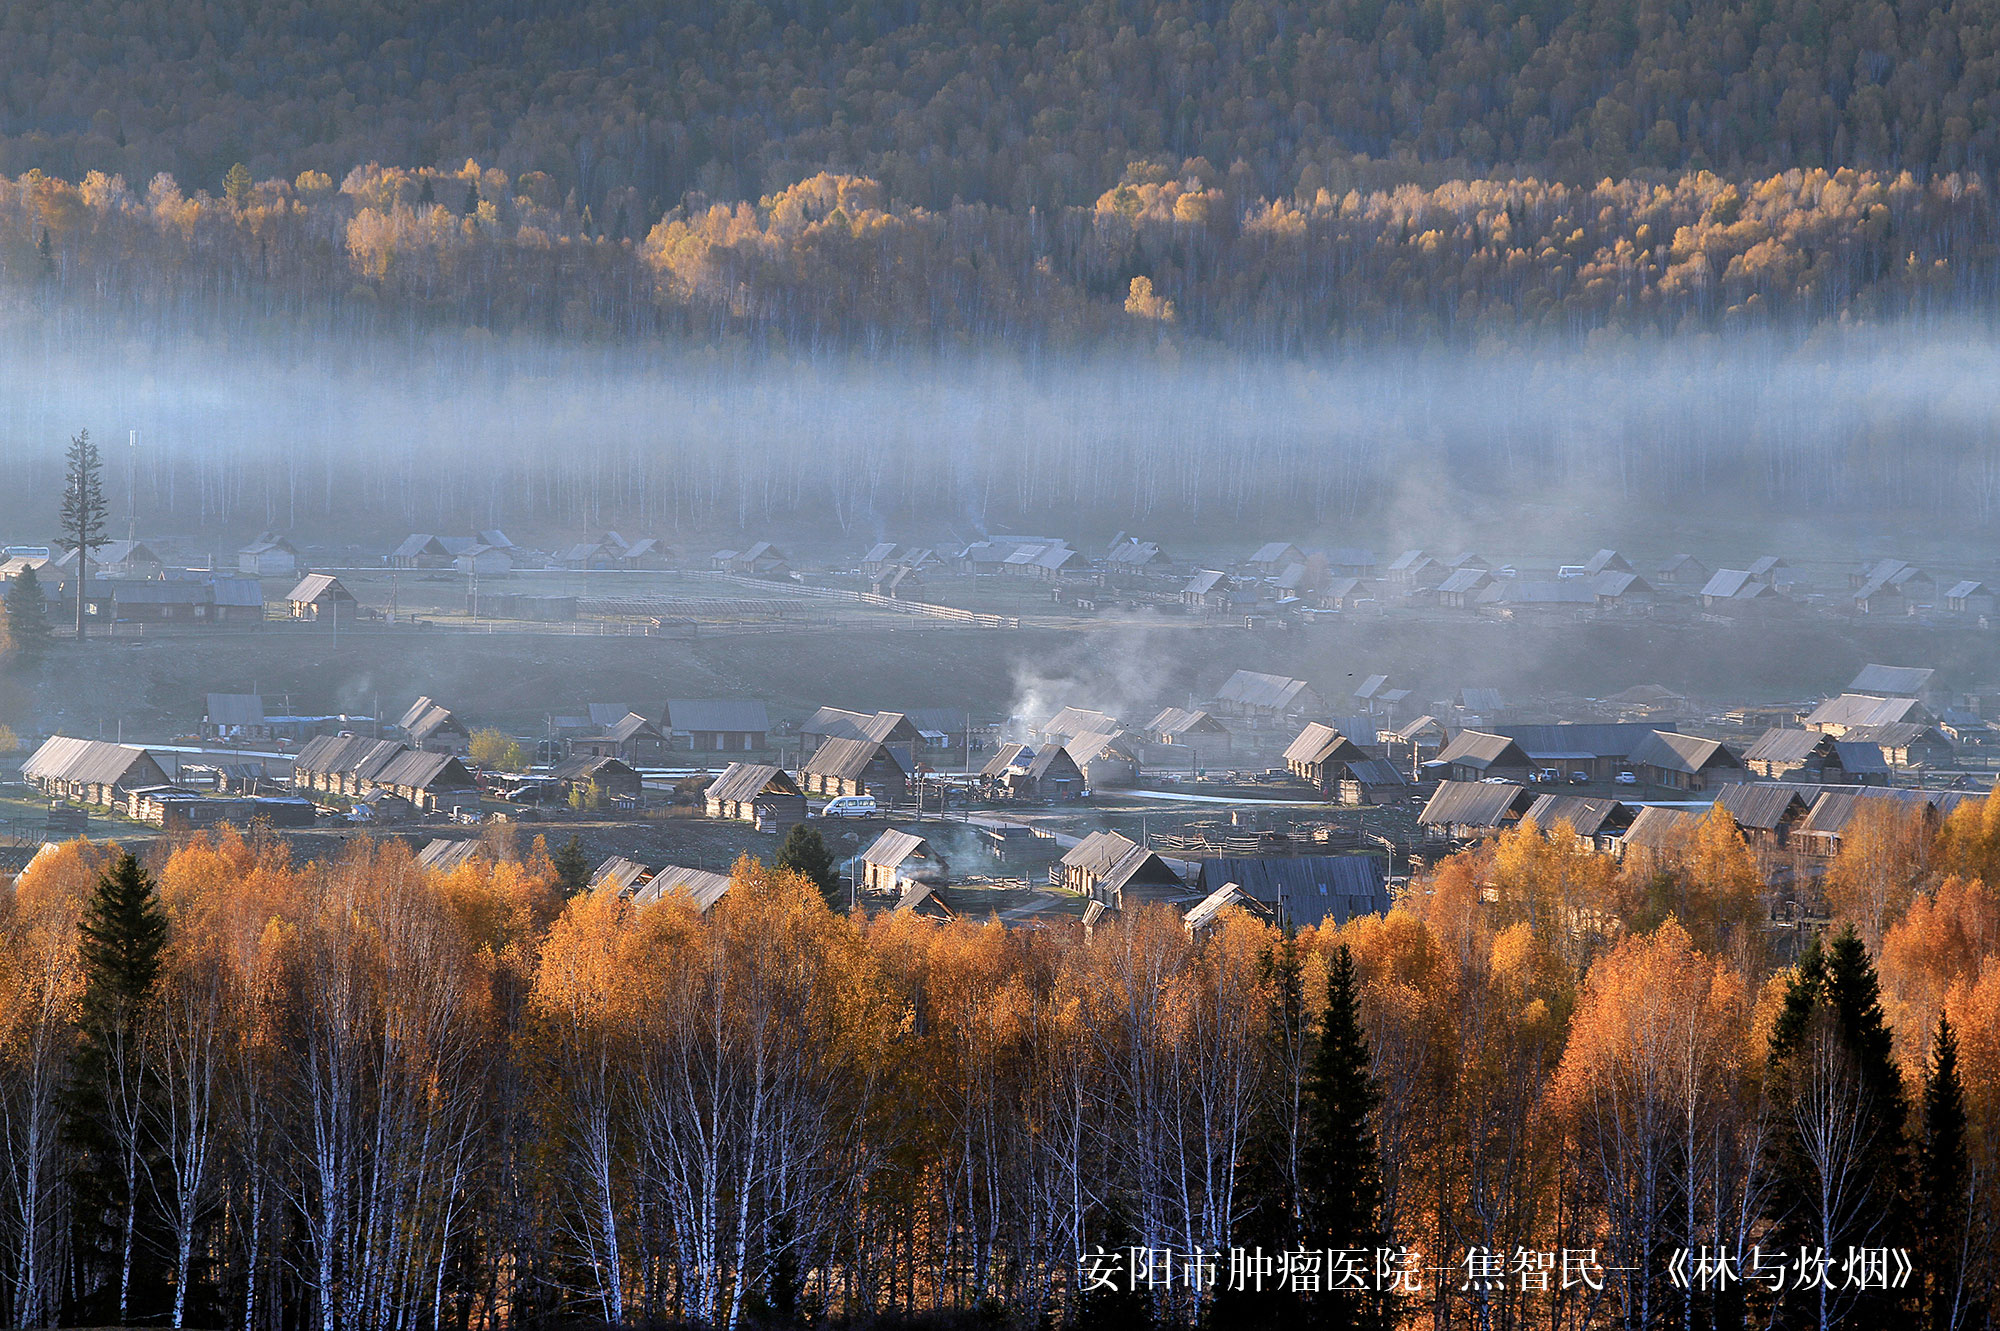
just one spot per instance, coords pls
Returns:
(1645, 1092)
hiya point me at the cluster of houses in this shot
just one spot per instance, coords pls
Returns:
(1279, 576)
(1793, 787)
(1803, 817)
(128, 780)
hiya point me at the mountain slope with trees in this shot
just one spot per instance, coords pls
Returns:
(1006, 102)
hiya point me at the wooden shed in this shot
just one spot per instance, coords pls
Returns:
(758, 793)
(856, 767)
(897, 859)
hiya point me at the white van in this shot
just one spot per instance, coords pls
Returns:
(850, 806)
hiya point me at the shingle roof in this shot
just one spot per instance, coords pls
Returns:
(1375, 772)
(1725, 582)
(1858, 756)
(585, 766)
(846, 759)
(357, 755)
(1320, 743)
(742, 782)
(91, 762)
(1891, 681)
(1587, 815)
(893, 847)
(1180, 721)
(1681, 753)
(1072, 721)
(446, 855)
(1478, 749)
(1656, 827)
(1782, 744)
(1613, 582)
(1098, 851)
(416, 544)
(700, 886)
(1009, 755)
(1041, 764)
(1253, 689)
(629, 725)
(1761, 806)
(619, 874)
(1598, 739)
(1892, 735)
(1209, 907)
(315, 585)
(1310, 889)
(1465, 580)
(1097, 744)
(1473, 804)
(831, 722)
(420, 771)
(1860, 709)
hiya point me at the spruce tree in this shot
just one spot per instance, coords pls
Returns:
(81, 522)
(572, 867)
(804, 852)
(123, 933)
(28, 612)
(1838, 1161)
(1943, 1167)
(1267, 1168)
(1340, 1170)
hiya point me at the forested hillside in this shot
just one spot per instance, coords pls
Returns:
(1007, 102)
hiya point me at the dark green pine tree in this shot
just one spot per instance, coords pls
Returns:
(804, 852)
(1942, 1170)
(471, 204)
(1267, 1168)
(1839, 1171)
(111, 1094)
(1340, 1169)
(28, 613)
(572, 867)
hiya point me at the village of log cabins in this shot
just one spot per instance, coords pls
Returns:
(1012, 665)
(1315, 790)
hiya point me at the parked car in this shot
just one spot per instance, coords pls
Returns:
(1546, 774)
(850, 806)
(1628, 778)
(1579, 778)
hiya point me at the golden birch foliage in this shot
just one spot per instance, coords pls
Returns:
(1884, 854)
(1943, 939)
(1968, 843)
(1709, 882)
(1562, 890)
(1654, 1011)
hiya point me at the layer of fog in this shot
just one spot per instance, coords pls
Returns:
(344, 443)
